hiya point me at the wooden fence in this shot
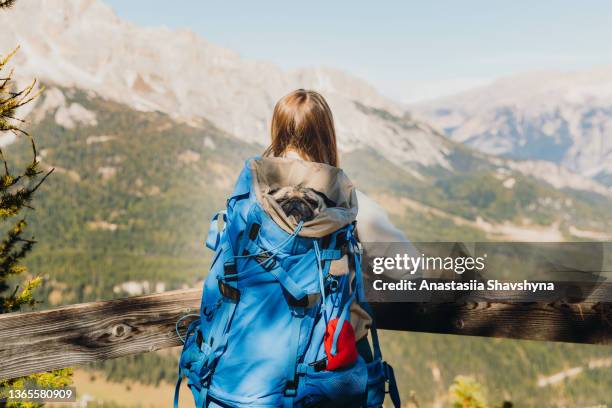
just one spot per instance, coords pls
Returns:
(77, 334)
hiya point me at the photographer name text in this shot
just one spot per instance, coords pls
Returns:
(471, 285)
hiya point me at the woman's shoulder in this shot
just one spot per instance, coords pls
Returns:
(375, 228)
(373, 223)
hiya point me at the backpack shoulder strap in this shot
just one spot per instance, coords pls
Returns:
(242, 190)
(216, 229)
(242, 187)
(388, 372)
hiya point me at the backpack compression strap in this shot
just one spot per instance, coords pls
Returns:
(214, 232)
(388, 372)
(251, 250)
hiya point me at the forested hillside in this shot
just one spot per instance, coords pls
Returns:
(128, 208)
(133, 192)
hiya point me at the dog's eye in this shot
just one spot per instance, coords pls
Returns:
(312, 202)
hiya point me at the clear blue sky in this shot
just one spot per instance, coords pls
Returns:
(408, 49)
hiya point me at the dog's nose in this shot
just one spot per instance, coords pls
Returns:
(298, 210)
(296, 207)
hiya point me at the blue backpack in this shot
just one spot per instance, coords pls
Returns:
(274, 326)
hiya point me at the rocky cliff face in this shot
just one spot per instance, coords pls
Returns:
(83, 44)
(559, 117)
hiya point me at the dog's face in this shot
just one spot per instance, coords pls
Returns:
(300, 204)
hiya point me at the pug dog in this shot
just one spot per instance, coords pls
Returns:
(301, 203)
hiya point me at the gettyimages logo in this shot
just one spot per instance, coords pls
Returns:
(412, 264)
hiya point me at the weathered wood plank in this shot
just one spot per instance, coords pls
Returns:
(77, 334)
(573, 312)
(577, 323)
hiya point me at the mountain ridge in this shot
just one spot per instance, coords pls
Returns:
(560, 117)
(184, 75)
(168, 70)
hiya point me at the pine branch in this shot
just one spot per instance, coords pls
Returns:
(12, 238)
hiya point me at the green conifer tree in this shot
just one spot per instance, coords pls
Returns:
(17, 188)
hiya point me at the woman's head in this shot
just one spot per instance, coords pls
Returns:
(302, 122)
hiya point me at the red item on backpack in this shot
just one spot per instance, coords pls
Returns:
(346, 348)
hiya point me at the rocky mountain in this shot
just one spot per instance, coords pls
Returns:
(83, 44)
(80, 47)
(558, 117)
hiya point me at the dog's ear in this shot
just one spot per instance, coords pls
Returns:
(326, 200)
(277, 192)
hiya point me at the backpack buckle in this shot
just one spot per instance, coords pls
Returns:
(254, 231)
(301, 302)
(319, 365)
(229, 292)
(331, 284)
(229, 271)
(205, 377)
(266, 261)
(305, 302)
(291, 388)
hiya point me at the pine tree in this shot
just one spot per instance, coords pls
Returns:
(17, 189)
(16, 192)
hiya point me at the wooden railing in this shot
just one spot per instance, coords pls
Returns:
(38, 341)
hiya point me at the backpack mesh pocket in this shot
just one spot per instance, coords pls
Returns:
(334, 388)
(376, 384)
(193, 357)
